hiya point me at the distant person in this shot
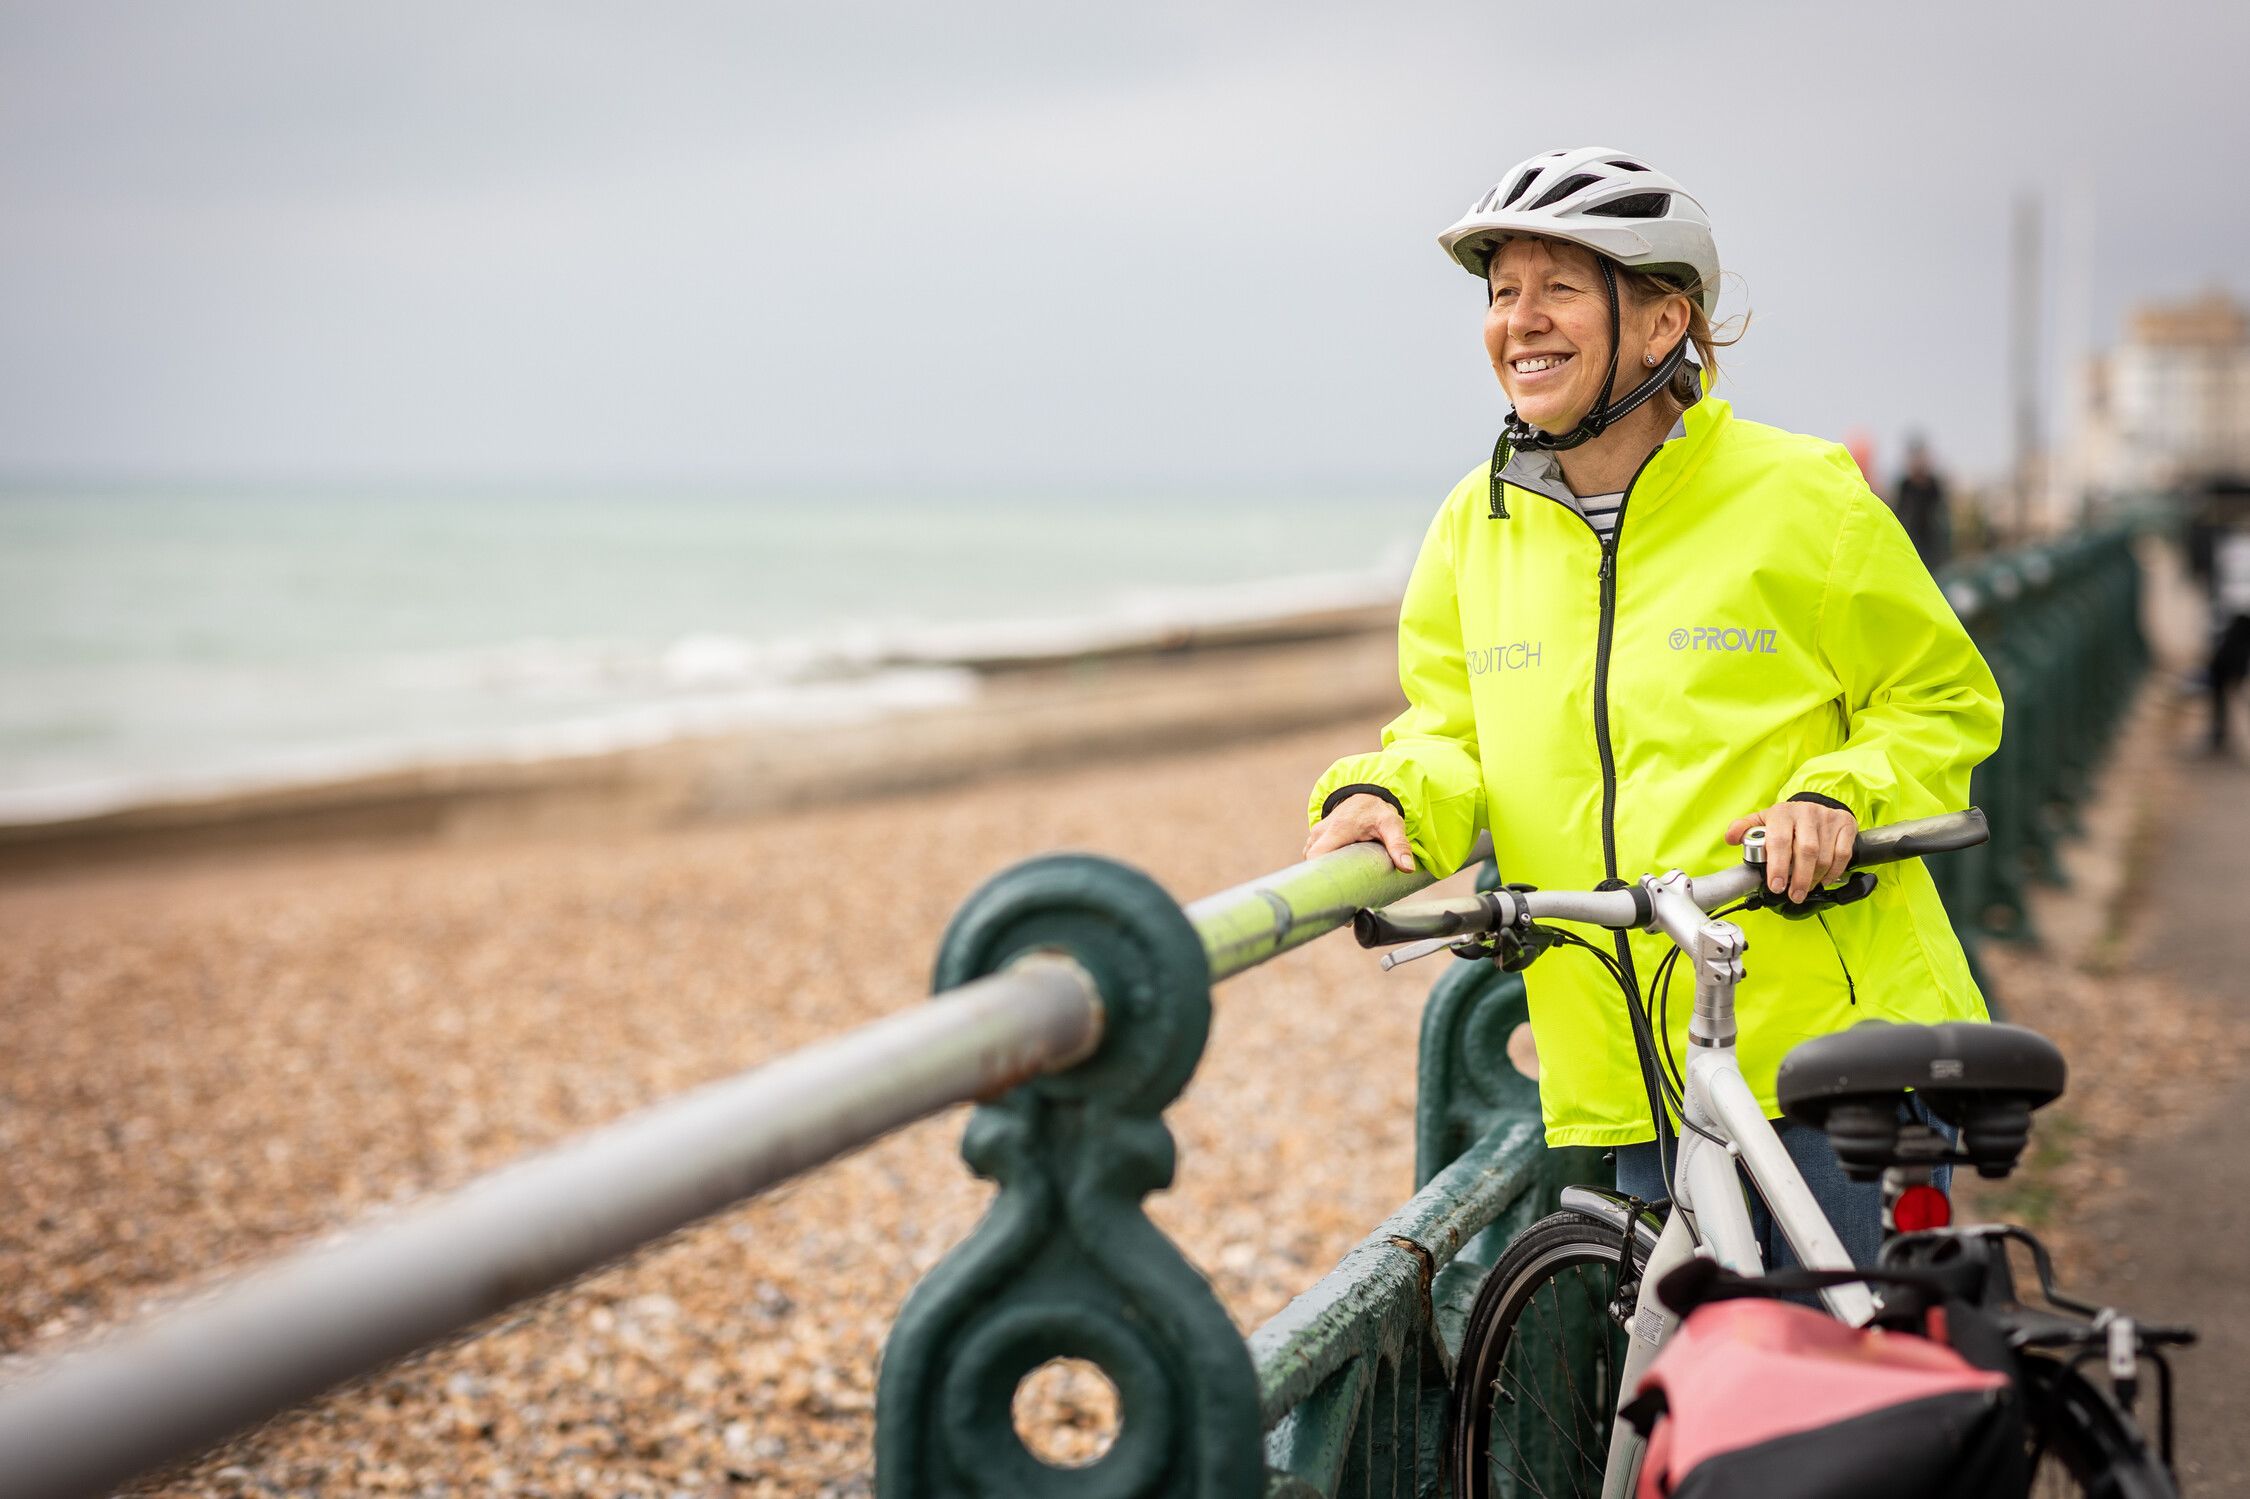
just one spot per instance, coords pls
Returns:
(1860, 443)
(1920, 502)
(1647, 626)
(2223, 555)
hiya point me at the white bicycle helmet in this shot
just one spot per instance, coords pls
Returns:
(1609, 202)
(1628, 214)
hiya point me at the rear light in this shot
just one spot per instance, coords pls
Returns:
(1919, 1208)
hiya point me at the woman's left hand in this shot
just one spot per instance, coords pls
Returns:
(1807, 844)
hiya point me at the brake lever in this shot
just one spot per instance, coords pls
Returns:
(1428, 947)
(1856, 887)
(1515, 948)
(1512, 949)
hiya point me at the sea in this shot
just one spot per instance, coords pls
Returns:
(162, 644)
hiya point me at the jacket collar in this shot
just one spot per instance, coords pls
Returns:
(1540, 472)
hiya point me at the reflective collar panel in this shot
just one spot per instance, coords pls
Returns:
(1540, 473)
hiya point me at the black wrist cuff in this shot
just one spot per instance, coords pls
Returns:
(1825, 801)
(1344, 794)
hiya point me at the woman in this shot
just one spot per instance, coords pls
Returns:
(1647, 627)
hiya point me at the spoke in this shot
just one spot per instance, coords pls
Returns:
(1600, 1325)
(1521, 1456)
(1524, 1400)
(1564, 1365)
(1560, 1429)
(1527, 1459)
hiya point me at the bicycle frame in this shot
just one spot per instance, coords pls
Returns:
(1709, 1214)
(1728, 1127)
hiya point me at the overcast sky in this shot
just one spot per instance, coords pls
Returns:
(888, 245)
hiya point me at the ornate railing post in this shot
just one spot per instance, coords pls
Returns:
(1065, 1264)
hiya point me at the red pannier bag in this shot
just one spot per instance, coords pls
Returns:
(1768, 1399)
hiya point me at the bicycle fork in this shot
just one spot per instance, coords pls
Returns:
(1651, 1325)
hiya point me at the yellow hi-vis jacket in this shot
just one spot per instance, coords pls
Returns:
(1759, 627)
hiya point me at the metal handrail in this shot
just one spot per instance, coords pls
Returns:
(281, 1335)
(1268, 916)
(184, 1380)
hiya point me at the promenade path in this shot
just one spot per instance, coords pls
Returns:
(2162, 1224)
(2139, 1179)
(2179, 1227)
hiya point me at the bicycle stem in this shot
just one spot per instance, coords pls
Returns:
(1680, 905)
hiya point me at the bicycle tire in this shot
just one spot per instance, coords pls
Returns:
(1541, 1357)
(2080, 1443)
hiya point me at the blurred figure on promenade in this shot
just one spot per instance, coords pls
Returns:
(1919, 499)
(2219, 553)
(1860, 443)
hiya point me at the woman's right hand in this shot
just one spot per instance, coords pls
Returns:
(1362, 819)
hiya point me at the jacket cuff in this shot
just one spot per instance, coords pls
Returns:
(1344, 794)
(1825, 801)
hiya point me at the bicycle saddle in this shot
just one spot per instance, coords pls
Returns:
(1983, 1079)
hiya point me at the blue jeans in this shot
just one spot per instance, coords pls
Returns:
(1854, 1209)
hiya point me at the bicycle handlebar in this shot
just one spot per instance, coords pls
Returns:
(1633, 906)
(1924, 835)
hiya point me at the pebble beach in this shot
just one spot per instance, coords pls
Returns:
(217, 1056)
(212, 1060)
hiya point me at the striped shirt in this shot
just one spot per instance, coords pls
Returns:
(1600, 511)
(1540, 473)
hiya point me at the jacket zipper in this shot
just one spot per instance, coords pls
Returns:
(1851, 990)
(1607, 576)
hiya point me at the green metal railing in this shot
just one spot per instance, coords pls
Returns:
(1353, 1373)
(1348, 1384)
(1074, 1001)
(2060, 624)
(1344, 1387)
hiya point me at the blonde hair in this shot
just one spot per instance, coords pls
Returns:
(1646, 287)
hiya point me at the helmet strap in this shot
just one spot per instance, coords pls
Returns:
(1517, 432)
(1599, 417)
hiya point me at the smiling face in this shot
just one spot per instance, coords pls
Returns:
(1547, 332)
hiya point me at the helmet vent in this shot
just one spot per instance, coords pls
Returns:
(1627, 166)
(1517, 191)
(1564, 189)
(1638, 206)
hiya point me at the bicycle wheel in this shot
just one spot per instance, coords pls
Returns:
(1537, 1384)
(2081, 1443)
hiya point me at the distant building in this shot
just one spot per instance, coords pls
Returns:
(2171, 403)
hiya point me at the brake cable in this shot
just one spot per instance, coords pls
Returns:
(1662, 983)
(1514, 947)
(1654, 1083)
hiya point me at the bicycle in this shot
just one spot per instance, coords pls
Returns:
(1568, 1319)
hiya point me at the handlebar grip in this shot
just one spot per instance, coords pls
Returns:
(1419, 920)
(1924, 835)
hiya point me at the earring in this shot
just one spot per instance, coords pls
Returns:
(1648, 359)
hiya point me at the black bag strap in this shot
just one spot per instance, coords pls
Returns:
(1700, 1281)
(1641, 1411)
(1970, 1329)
